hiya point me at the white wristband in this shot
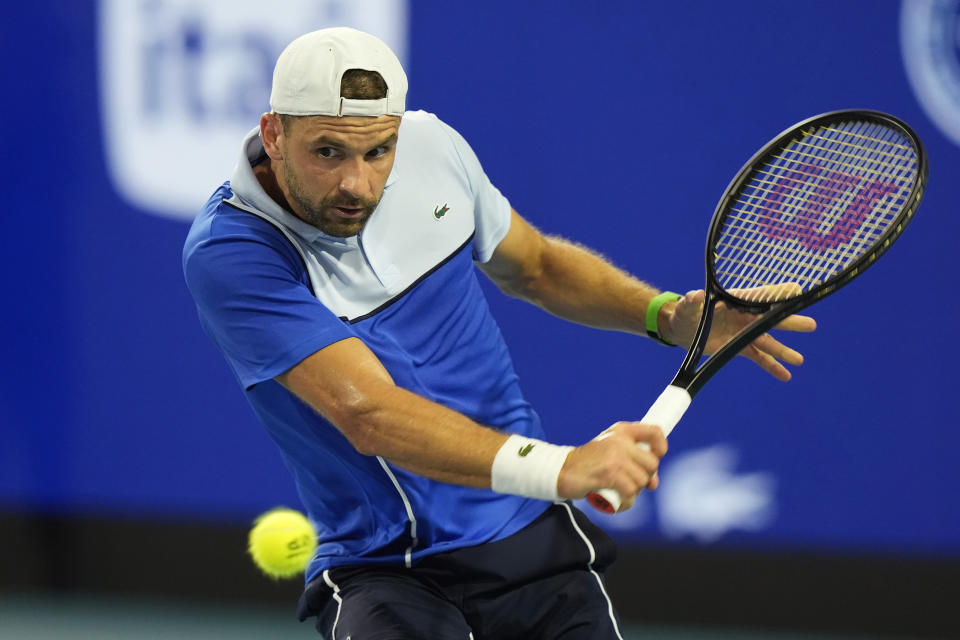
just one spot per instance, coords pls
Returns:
(528, 467)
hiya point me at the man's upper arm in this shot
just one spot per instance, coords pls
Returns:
(340, 381)
(517, 260)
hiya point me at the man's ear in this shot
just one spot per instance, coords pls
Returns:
(271, 133)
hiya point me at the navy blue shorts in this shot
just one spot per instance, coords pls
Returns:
(544, 581)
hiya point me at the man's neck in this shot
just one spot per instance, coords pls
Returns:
(267, 177)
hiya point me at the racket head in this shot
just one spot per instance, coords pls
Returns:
(813, 208)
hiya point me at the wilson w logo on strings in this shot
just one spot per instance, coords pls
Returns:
(818, 207)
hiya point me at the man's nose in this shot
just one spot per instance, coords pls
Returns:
(353, 178)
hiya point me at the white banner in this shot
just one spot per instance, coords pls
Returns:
(181, 82)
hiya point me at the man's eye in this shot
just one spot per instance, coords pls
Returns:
(379, 151)
(326, 152)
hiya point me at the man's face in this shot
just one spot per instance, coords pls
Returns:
(335, 169)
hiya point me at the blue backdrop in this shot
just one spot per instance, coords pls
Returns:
(617, 124)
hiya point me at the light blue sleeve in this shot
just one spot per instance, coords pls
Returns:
(491, 209)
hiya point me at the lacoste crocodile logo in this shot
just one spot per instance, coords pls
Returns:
(525, 450)
(438, 212)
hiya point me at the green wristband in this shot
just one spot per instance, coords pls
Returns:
(653, 312)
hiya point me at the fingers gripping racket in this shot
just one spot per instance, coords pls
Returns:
(805, 215)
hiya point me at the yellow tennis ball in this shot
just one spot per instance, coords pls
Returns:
(282, 542)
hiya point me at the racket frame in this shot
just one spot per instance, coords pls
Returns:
(692, 378)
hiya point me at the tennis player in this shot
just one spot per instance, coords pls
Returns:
(336, 273)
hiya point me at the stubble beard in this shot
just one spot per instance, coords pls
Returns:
(319, 212)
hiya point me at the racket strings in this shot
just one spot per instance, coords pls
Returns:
(823, 200)
(907, 148)
(824, 195)
(802, 215)
(856, 152)
(893, 167)
(843, 206)
(763, 248)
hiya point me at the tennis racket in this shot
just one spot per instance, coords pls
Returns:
(805, 215)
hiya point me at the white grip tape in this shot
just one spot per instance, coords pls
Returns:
(665, 412)
(528, 467)
(667, 409)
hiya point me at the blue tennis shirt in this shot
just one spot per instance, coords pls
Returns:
(270, 290)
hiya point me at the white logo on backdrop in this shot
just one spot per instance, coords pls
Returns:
(930, 39)
(700, 496)
(704, 498)
(181, 82)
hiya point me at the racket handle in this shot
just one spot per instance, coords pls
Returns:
(665, 412)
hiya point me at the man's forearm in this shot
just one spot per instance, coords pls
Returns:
(579, 285)
(349, 387)
(424, 437)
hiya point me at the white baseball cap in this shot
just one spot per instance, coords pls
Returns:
(306, 80)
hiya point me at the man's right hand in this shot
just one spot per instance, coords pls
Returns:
(613, 460)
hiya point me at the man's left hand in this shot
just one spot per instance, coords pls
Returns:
(769, 353)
